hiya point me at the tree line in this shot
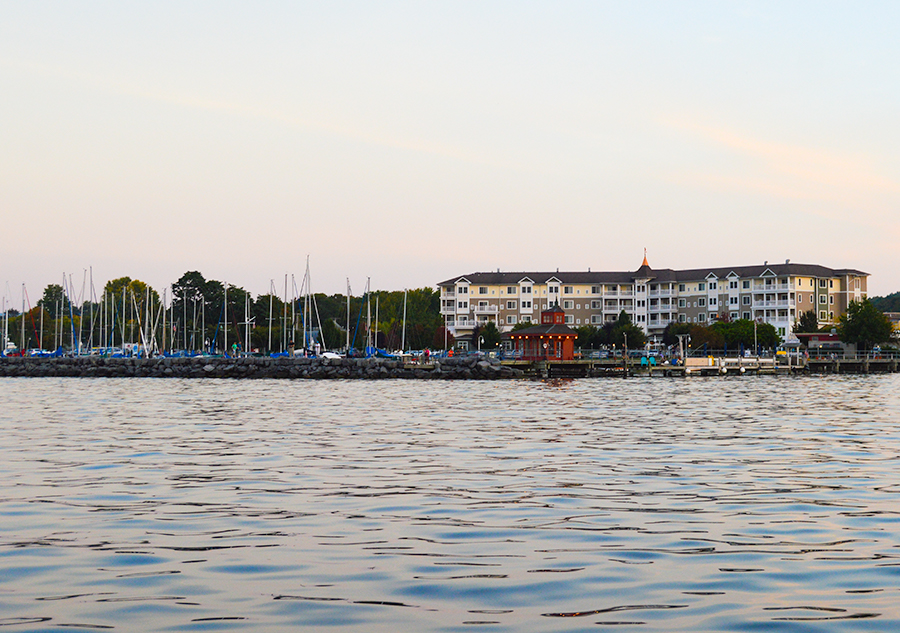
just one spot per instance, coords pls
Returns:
(201, 314)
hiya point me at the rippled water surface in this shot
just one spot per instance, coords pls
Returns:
(735, 504)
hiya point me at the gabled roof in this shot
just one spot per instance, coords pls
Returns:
(664, 275)
(555, 329)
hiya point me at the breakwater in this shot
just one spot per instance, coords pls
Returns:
(461, 368)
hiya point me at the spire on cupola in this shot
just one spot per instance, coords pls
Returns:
(645, 263)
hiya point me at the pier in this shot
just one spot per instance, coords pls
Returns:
(707, 366)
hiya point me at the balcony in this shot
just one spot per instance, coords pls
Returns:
(661, 293)
(486, 309)
(758, 287)
(781, 303)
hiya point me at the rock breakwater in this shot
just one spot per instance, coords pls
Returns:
(459, 368)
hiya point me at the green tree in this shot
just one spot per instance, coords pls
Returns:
(490, 335)
(807, 323)
(864, 325)
(52, 301)
(890, 303)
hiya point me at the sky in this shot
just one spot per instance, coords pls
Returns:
(411, 142)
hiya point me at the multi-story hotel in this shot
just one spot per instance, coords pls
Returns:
(772, 293)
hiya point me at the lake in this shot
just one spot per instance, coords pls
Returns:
(713, 504)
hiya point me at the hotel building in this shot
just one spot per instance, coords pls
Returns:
(771, 293)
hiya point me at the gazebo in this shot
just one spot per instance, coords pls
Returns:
(551, 340)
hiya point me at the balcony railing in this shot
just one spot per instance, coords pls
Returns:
(486, 309)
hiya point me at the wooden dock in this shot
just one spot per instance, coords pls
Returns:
(702, 366)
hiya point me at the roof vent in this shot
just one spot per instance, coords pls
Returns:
(787, 261)
(766, 263)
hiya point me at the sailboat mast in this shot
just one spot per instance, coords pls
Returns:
(368, 314)
(271, 296)
(225, 311)
(403, 336)
(348, 315)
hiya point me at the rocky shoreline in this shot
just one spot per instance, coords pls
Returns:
(459, 368)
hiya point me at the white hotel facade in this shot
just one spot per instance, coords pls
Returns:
(771, 293)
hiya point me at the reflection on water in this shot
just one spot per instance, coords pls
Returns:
(741, 504)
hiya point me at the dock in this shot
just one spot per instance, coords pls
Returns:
(705, 366)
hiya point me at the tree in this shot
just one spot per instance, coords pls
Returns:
(890, 303)
(807, 323)
(490, 335)
(864, 325)
(52, 300)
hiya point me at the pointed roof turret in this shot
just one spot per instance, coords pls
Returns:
(644, 272)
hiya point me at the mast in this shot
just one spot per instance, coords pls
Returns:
(348, 315)
(22, 348)
(225, 310)
(271, 296)
(284, 317)
(377, 297)
(403, 336)
(368, 314)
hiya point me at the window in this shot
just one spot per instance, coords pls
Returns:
(823, 299)
(732, 285)
(712, 285)
(823, 316)
(733, 316)
(596, 305)
(510, 290)
(526, 290)
(680, 287)
(596, 318)
(746, 284)
(732, 301)
(682, 318)
(745, 300)
(568, 305)
(482, 290)
(462, 304)
(746, 316)
(526, 318)
(831, 299)
(510, 305)
(713, 301)
(701, 317)
(823, 283)
(463, 290)
(510, 319)
(462, 319)
(567, 290)
(570, 319)
(831, 283)
(682, 303)
(701, 302)
(595, 290)
(554, 290)
(799, 298)
(701, 286)
(526, 305)
(831, 316)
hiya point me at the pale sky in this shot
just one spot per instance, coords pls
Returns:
(412, 142)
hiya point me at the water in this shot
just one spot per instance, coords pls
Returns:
(737, 504)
